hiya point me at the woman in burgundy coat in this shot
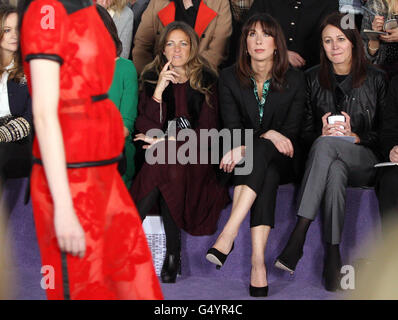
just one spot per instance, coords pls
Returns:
(178, 85)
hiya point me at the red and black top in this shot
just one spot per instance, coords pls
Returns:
(66, 32)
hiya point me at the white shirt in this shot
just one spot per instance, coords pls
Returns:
(4, 104)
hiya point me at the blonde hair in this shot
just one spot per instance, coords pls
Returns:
(118, 5)
(392, 4)
(386, 6)
(195, 64)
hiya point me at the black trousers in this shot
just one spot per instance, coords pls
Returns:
(15, 159)
(172, 232)
(387, 193)
(15, 162)
(270, 168)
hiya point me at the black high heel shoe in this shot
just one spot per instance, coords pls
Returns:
(171, 267)
(286, 266)
(287, 263)
(258, 291)
(218, 258)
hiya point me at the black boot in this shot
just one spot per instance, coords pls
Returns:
(172, 261)
(293, 251)
(171, 266)
(332, 267)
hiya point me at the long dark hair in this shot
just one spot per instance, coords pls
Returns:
(16, 72)
(359, 61)
(110, 25)
(281, 62)
(22, 7)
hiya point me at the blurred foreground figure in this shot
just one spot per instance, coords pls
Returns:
(5, 262)
(87, 226)
(377, 278)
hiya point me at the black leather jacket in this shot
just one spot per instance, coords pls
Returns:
(363, 105)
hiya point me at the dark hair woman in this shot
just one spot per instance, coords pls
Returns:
(88, 228)
(343, 149)
(15, 102)
(178, 84)
(260, 93)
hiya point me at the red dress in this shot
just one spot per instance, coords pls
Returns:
(117, 263)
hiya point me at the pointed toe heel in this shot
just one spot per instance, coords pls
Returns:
(258, 291)
(288, 262)
(281, 265)
(218, 258)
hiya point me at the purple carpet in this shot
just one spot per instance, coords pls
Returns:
(200, 280)
(362, 225)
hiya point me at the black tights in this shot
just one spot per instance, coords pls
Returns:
(173, 234)
(294, 248)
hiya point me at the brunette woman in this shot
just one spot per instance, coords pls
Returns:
(15, 102)
(343, 152)
(261, 93)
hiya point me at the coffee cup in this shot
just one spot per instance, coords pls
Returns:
(335, 118)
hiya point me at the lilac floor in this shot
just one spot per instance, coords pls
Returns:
(200, 281)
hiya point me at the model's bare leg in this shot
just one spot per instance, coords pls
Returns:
(259, 241)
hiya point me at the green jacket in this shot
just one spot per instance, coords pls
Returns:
(124, 94)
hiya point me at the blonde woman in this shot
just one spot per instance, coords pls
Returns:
(123, 17)
(178, 84)
(382, 50)
(211, 20)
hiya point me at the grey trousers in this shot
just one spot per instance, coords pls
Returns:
(332, 165)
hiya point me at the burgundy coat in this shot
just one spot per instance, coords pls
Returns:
(192, 193)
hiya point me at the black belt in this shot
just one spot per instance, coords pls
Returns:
(99, 97)
(73, 165)
(78, 101)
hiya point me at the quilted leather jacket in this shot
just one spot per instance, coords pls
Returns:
(364, 105)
